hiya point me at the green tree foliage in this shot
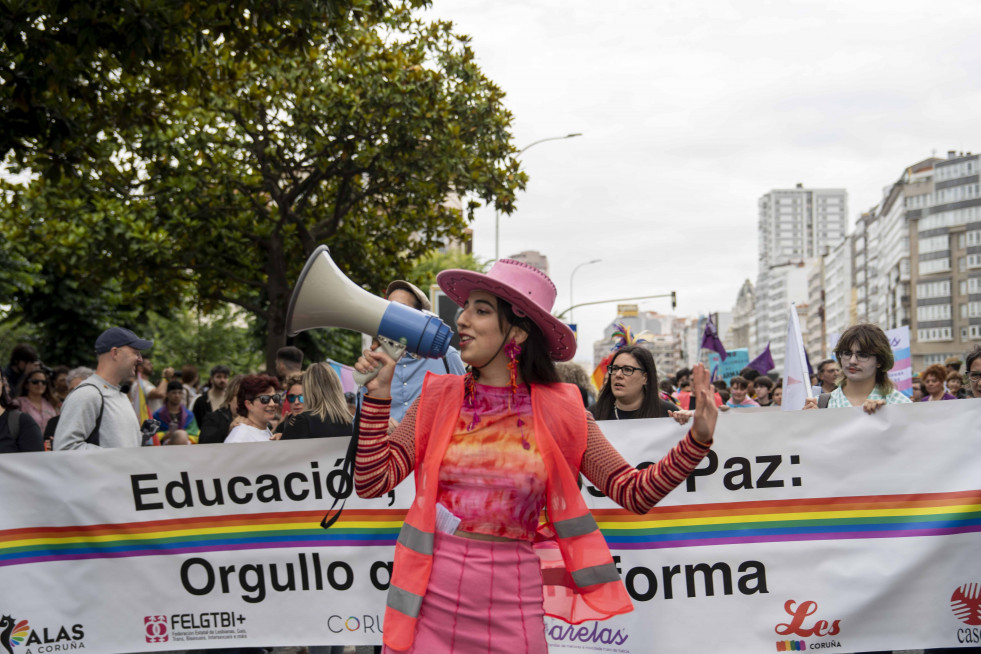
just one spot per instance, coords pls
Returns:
(62, 62)
(426, 267)
(276, 140)
(190, 337)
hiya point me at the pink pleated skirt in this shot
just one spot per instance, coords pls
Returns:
(483, 597)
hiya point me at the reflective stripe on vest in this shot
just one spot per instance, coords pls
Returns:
(416, 540)
(572, 527)
(403, 601)
(598, 574)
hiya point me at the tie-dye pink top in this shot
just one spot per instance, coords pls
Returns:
(493, 477)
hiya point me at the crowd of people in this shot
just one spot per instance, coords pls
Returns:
(257, 406)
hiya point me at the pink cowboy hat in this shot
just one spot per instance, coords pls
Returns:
(529, 291)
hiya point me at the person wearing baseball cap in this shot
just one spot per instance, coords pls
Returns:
(489, 451)
(97, 413)
(410, 371)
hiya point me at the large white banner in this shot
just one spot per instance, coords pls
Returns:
(808, 530)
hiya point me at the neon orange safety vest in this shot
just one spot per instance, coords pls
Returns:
(560, 432)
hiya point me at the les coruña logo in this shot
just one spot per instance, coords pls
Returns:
(799, 615)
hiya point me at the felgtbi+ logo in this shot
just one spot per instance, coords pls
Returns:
(156, 628)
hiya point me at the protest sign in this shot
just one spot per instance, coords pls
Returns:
(735, 361)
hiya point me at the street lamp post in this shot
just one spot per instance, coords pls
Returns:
(572, 277)
(497, 214)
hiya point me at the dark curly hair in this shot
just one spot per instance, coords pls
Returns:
(250, 388)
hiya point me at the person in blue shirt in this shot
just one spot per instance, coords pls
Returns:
(410, 369)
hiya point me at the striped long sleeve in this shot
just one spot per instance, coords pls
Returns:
(383, 460)
(637, 490)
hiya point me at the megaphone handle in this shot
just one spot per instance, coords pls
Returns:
(392, 349)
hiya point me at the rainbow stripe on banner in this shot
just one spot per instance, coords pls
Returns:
(205, 534)
(881, 516)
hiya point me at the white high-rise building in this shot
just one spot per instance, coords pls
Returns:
(799, 223)
(796, 227)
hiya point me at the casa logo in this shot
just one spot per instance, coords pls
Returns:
(17, 632)
(805, 622)
(965, 602)
(156, 628)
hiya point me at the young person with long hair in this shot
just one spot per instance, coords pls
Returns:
(865, 356)
(630, 389)
(324, 412)
(18, 431)
(490, 450)
(35, 398)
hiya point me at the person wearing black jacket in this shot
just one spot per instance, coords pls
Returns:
(325, 412)
(216, 424)
(18, 431)
(630, 389)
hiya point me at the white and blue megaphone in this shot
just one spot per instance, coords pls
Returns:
(325, 297)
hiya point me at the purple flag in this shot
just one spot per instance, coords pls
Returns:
(763, 363)
(710, 340)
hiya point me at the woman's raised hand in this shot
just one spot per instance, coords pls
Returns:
(377, 359)
(706, 413)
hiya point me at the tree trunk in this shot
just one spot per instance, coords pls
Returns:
(278, 290)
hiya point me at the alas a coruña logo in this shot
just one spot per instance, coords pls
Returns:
(14, 632)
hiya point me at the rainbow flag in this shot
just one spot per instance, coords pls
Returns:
(731, 523)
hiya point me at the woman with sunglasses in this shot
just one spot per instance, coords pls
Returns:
(324, 413)
(293, 401)
(21, 436)
(490, 450)
(258, 402)
(35, 398)
(865, 356)
(630, 389)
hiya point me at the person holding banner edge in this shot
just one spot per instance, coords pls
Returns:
(490, 450)
(865, 356)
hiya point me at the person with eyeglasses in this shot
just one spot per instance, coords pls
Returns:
(258, 401)
(18, 431)
(292, 401)
(35, 398)
(324, 411)
(973, 362)
(630, 388)
(865, 357)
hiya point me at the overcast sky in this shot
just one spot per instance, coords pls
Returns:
(691, 110)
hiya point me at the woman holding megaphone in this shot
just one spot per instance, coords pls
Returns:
(490, 450)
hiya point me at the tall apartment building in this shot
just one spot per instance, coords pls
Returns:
(796, 226)
(532, 258)
(839, 292)
(945, 244)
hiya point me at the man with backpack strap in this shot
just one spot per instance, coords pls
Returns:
(97, 414)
